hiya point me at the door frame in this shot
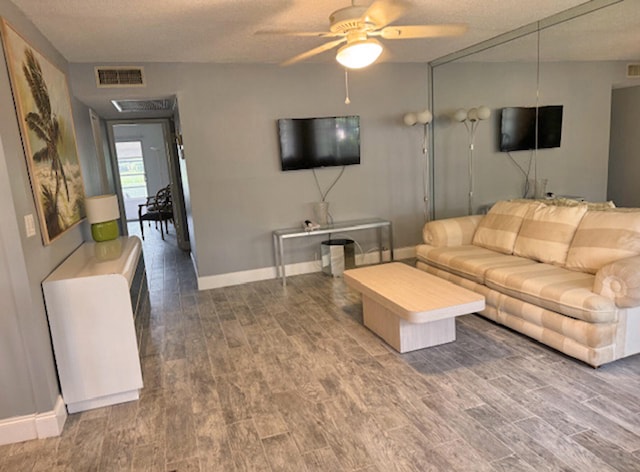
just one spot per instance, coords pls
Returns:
(177, 190)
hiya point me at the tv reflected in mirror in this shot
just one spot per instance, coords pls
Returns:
(518, 129)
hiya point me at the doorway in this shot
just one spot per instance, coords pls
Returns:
(143, 164)
(133, 176)
(144, 155)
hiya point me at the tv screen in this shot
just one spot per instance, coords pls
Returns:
(306, 143)
(518, 130)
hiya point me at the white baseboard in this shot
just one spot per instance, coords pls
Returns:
(267, 273)
(36, 426)
(51, 423)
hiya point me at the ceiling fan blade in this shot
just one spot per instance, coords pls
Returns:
(422, 31)
(313, 52)
(315, 34)
(383, 12)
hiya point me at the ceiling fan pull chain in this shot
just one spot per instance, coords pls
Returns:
(347, 100)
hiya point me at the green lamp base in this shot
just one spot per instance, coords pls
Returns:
(105, 231)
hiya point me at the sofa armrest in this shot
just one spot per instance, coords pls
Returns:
(451, 231)
(620, 281)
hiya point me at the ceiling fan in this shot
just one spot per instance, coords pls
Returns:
(358, 26)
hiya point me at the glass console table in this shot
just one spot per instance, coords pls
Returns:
(280, 235)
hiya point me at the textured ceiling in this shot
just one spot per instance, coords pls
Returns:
(223, 30)
(611, 33)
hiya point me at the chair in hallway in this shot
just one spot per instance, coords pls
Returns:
(158, 208)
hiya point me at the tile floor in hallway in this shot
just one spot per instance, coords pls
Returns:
(258, 378)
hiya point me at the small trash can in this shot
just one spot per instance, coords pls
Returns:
(337, 256)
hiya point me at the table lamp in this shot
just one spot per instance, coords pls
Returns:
(103, 214)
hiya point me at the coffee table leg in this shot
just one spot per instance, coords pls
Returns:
(402, 335)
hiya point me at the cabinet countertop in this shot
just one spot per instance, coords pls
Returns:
(94, 259)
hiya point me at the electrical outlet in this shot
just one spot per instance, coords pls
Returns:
(29, 225)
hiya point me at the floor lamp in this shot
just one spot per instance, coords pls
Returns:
(471, 119)
(423, 118)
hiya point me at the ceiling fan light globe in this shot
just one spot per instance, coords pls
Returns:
(359, 54)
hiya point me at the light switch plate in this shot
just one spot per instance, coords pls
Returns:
(29, 225)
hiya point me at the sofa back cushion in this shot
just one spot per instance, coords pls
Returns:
(603, 237)
(571, 202)
(547, 232)
(499, 228)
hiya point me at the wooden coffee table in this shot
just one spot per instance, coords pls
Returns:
(409, 308)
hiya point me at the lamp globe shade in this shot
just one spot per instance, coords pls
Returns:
(483, 112)
(410, 119)
(460, 115)
(472, 114)
(424, 117)
(359, 54)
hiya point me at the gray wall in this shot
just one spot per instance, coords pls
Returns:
(578, 167)
(28, 365)
(237, 192)
(14, 361)
(624, 149)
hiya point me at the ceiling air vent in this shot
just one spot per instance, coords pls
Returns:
(633, 71)
(131, 106)
(120, 77)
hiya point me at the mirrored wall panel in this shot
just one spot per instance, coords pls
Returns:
(548, 124)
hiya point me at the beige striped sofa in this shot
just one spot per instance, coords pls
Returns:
(564, 273)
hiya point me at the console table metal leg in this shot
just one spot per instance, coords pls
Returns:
(380, 254)
(391, 241)
(282, 269)
(276, 255)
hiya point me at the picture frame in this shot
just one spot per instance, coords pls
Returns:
(43, 108)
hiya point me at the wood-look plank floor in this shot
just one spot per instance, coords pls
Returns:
(259, 378)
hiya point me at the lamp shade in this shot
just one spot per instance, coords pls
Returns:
(359, 54)
(460, 115)
(483, 112)
(410, 119)
(102, 208)
(424, 117)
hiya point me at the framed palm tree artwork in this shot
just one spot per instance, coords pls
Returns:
(43, 108)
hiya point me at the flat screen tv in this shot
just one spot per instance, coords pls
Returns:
(518, 130)
(307, 143)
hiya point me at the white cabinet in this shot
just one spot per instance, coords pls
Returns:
(90, 299)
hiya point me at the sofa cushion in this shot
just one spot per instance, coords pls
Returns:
(499, 228)
(603, 237)
(547, 231)
(470, 262)
(552, 324)
(554, 288)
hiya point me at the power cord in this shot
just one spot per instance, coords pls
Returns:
(525, 173)
(324, 195)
